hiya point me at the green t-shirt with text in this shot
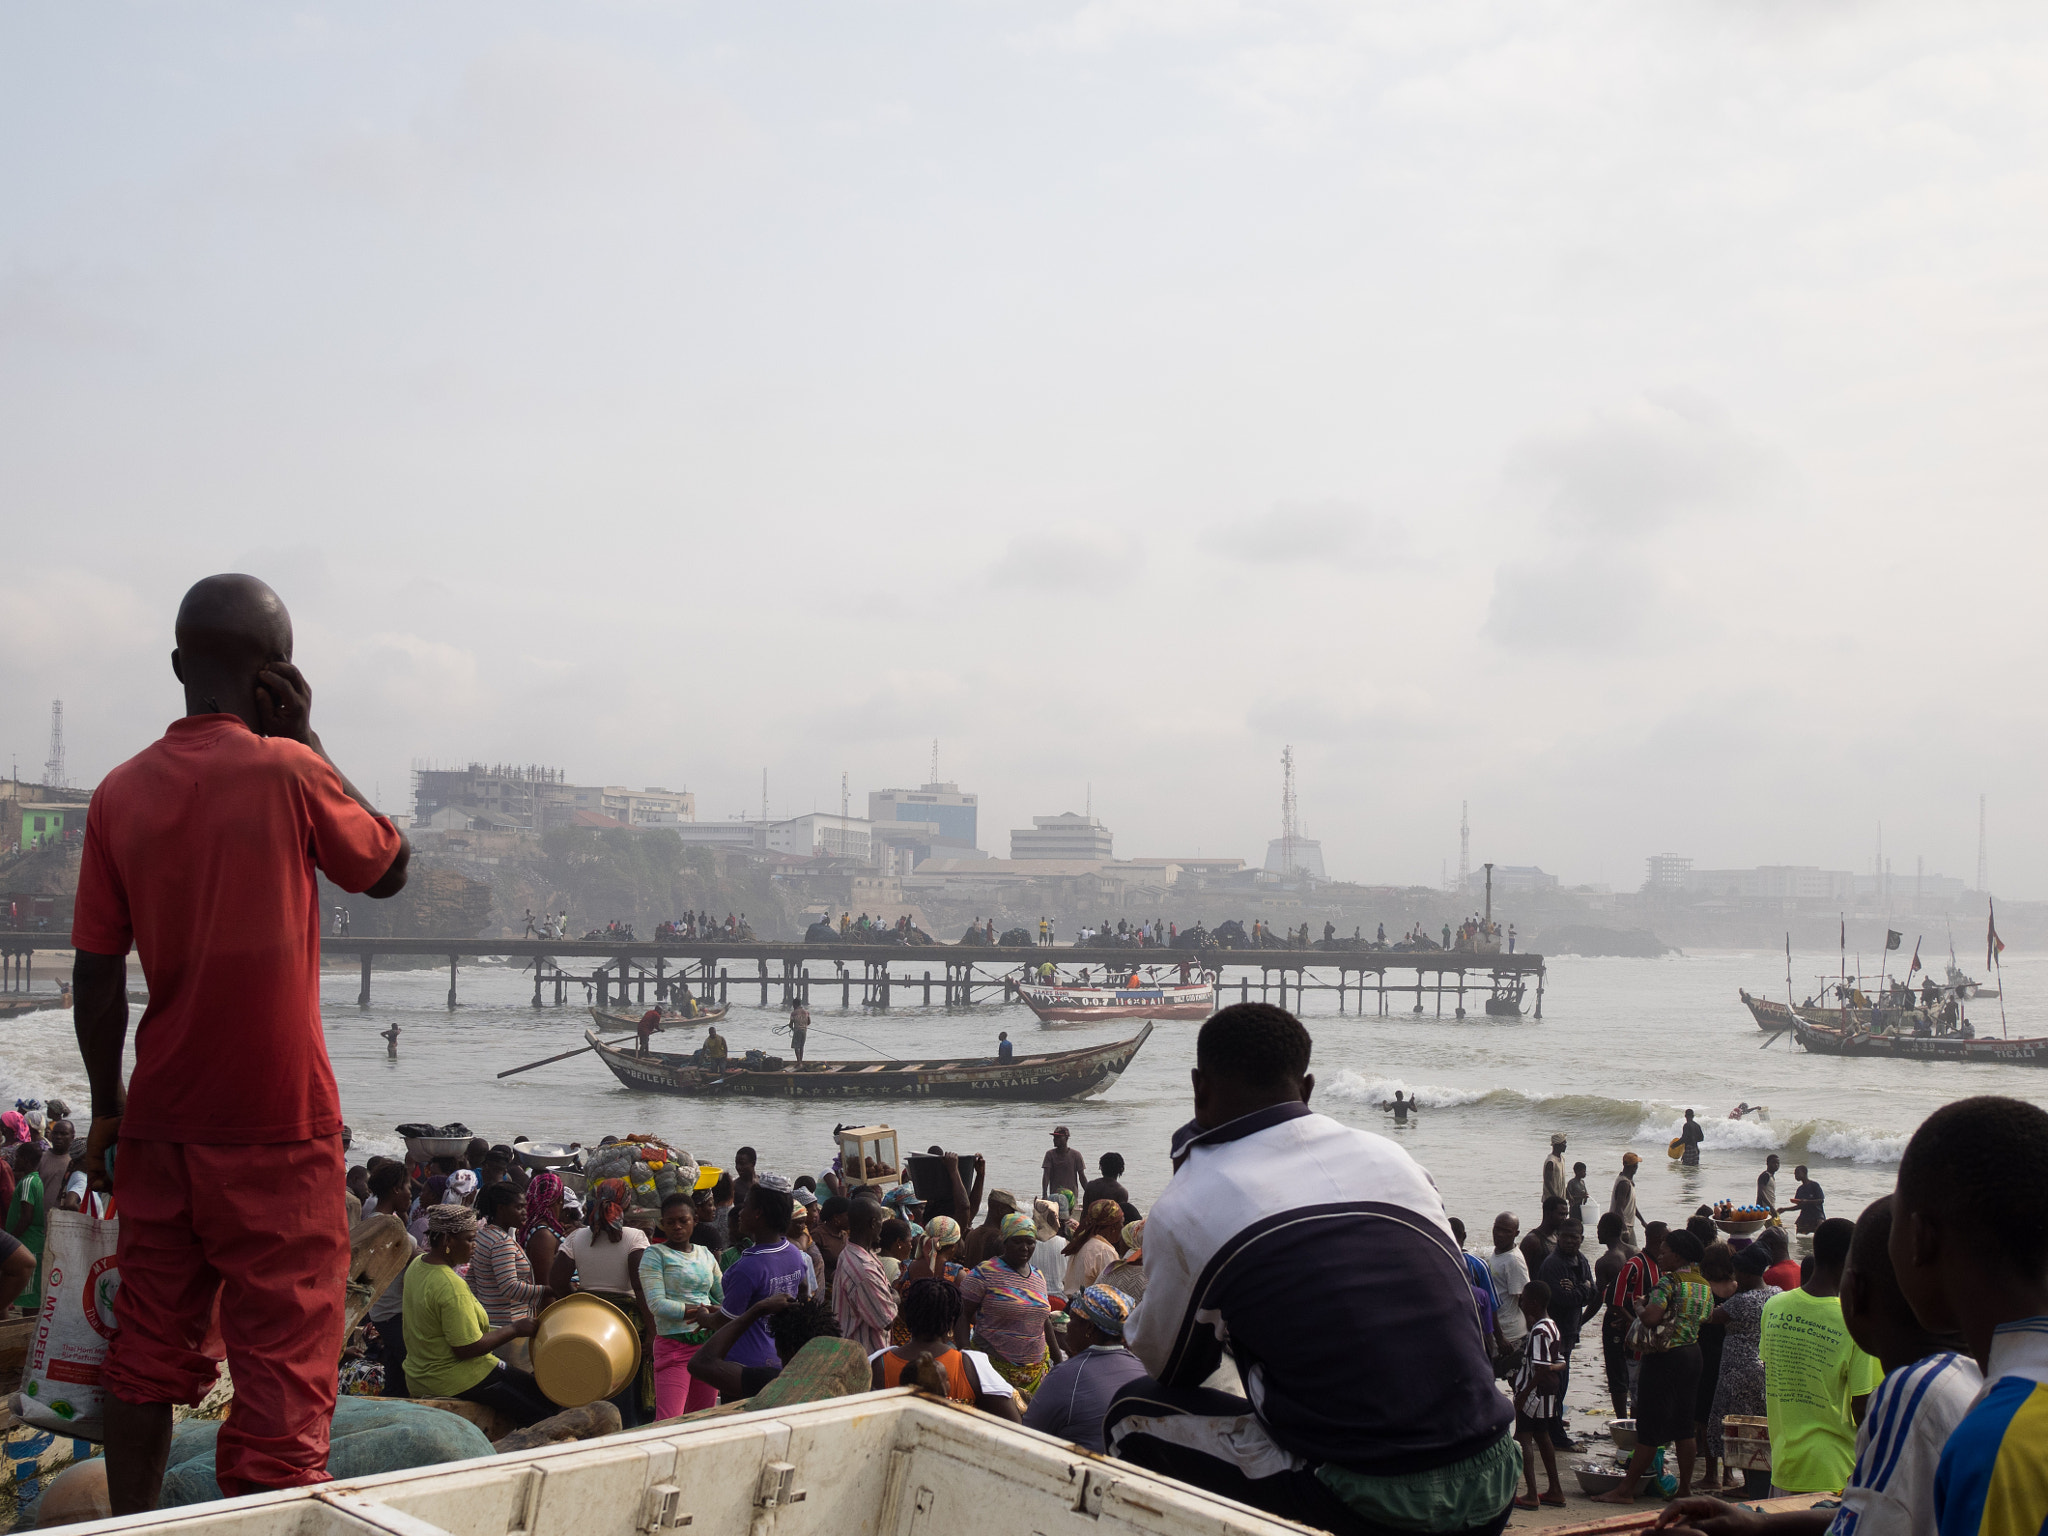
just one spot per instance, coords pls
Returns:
(1812, 1370)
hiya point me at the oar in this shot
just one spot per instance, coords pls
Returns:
(546, 1060)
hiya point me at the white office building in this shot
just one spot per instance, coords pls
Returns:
(1065, 836)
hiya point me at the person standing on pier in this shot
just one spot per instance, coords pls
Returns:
(200, 853)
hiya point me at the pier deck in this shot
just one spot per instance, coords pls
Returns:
(884, 973)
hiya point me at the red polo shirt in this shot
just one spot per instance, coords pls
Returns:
(200, 852)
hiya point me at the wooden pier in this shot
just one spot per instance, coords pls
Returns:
(880, 975)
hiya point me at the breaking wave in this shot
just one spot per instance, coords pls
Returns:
(1638, 1121)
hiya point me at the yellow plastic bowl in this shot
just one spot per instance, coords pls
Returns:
(585, 1349)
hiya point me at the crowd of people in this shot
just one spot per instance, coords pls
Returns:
(1897, 1363)
(1294, 1323)
(993, 1299)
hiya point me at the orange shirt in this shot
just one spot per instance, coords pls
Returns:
(959, 1388)
(200, 852)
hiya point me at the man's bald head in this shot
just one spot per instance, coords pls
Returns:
(229, 629)
(232, 618)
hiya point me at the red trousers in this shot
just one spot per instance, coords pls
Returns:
(239, 1251)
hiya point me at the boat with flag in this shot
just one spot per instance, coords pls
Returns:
(1134, 994)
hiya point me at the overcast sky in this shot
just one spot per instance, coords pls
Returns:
(1629, 417)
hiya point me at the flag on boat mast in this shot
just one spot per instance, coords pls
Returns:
(1994, 946)
(1893, 938)
(1916, 960)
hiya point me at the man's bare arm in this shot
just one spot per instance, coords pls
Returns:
(99, 1015)
(284, 707)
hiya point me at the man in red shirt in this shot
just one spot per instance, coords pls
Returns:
(200, 854)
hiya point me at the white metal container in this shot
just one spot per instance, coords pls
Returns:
(881, 1464)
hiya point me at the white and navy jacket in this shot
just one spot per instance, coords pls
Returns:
(1321, 1258)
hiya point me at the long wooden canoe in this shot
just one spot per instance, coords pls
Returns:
(1042, 1078)
(1824, 1041)
(629, 1018)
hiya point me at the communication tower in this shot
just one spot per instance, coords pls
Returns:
(53, 770)
(1288, 833)
(1464, 844)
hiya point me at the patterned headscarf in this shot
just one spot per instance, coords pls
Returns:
(451, 1221)
(1103, 1219)
(1104, 1306)
(462, 1185)
(16, 1124)
(945, 1230)
(1134, 1240)
(543, 1207)
(1016, 1224)
(609, 1199)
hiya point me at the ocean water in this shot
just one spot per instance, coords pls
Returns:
(1625, 1046)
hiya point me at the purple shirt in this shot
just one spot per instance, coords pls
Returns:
(775, 1270)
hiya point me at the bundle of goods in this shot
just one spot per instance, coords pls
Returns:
(653, 1169)
(453, 1128)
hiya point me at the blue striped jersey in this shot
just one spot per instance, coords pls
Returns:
(1890, 1491)
(1993, 1479)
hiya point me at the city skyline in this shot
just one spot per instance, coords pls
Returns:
(1610, 417)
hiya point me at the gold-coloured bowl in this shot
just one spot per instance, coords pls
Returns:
(584, 1349)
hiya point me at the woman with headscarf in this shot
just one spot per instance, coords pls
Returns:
(1093, 1248)
(1008, 1311)
(1741, 1387)
(933, 1258)
(462, 1187)
(1074, 1397)
(604, 1259)
(448, 1336)
(542, 1232)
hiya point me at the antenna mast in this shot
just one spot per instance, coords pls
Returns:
(1287, 833)
(1464, 843)
(53, 770)
(764, 794)
(842, 794)
(935, 759)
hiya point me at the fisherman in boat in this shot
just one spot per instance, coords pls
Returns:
(799, 1030)
(648, 1027)
(715, 1051)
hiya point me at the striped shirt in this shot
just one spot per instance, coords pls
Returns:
(502, 1276)
(1633, 1285)
(1544, 1348)
(1891, 1490)
(1993, 1478)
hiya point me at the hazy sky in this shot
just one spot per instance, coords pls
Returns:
(1612, 414)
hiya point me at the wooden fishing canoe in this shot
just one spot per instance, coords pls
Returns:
(1042, 1078)
(614, 1018)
